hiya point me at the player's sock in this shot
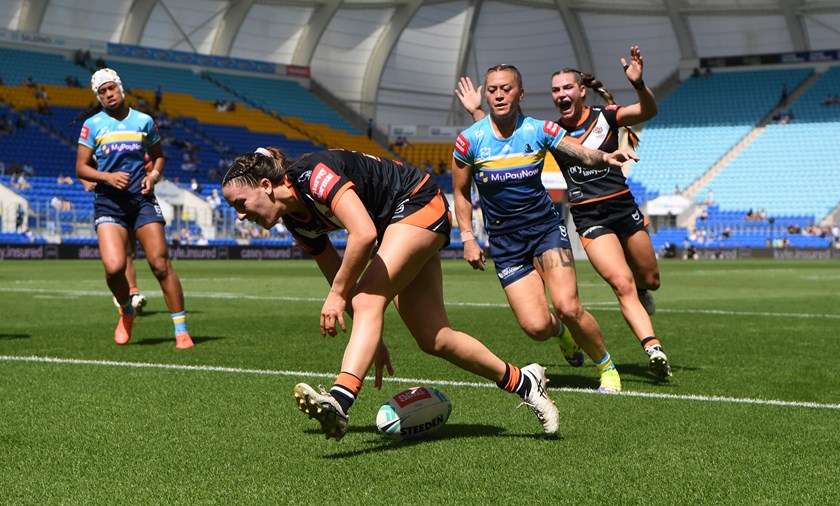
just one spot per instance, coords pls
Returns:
(651, 344)
(126, 308)
(605, 364)
(514, 381)
(345, 390)
(133, 291)
(179, 320)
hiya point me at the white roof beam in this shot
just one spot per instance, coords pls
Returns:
(379, 56)
(314, 30)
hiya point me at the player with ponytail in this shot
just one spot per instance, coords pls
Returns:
(610, 225)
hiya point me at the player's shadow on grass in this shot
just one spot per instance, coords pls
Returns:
(572, 381)
(154, 341)
(15, 336)
(450, 432)
(630, 373)
(639, 373)
(147, 312)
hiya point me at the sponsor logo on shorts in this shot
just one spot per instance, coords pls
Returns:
(400, 209)
(509, 271)
(158, 211)
(563, 231)
(590, 230)
(104, 219)
(637, 216)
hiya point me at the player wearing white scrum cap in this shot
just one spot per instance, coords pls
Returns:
(103, 76)
(113, 145)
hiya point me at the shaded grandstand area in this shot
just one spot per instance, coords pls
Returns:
(714, 136)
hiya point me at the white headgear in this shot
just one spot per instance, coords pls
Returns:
(103, 76)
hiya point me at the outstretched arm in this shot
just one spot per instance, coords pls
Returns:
(646, 107)
(470, 98)
(590, 157)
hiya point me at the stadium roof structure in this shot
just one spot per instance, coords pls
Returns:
(398, 61)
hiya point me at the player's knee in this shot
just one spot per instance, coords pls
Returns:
(623, 285)
(651, 281)
(538, 329)
(160, 267)
(364, 303)
(569, 309)
(114, 272)
(435, 344)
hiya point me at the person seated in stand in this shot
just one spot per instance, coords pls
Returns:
(63, 180)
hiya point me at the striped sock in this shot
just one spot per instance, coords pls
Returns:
(346, 389)
(514, 381)
(651, 344)
(180, 322)
(605, 364)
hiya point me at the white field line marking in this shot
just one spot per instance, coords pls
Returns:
(601, 306)
(308, 374)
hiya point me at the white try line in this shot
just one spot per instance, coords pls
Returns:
(309, 374)
(602, 306)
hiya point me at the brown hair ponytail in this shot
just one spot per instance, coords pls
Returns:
(248, 169)
(590, 81)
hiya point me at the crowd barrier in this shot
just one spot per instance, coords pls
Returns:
(244, 252)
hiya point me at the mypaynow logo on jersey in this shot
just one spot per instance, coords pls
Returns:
(501, 176)
(120, 147)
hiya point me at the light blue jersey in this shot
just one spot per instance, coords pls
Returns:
(508, 171)
(120, 146)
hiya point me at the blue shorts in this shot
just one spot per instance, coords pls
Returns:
(131, 212)
(514, 253)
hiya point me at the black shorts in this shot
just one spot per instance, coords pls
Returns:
(425, 208)
(131, 212)
(619, 215)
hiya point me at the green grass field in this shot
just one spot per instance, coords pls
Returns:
(751, 415)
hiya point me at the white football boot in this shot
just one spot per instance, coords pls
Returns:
(322, 407)
(538, 400)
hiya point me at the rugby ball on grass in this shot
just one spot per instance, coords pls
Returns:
(413, 413)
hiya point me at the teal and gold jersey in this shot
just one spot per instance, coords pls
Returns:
(120, 146)
(508, 172)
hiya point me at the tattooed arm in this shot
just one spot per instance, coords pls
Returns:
(590, 157)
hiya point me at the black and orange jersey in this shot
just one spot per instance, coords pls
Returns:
(598, 129)
(318, 181)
